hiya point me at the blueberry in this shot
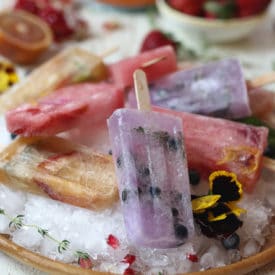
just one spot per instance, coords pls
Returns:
(118, 162)
(145, 172)
(231, 242)
(110, 152)
(140, 130)
(172, 144)
(13, 136)
(181, 231)
(194, 177)
(124, 195)
(175, 212)
(155, 191)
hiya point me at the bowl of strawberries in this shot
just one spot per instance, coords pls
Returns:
(215, 20)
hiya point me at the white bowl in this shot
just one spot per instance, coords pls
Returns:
(211, 30)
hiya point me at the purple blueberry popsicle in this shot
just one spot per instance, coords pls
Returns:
(153, 177)
(215, 89)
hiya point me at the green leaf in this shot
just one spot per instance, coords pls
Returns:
(224, 10)
(43, 232)
(63, 246)
(82, 255)
(2, 212)
(16, 222)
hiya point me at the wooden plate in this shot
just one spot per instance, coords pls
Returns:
(267, 255)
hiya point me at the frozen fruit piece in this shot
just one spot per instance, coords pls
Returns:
(122, 71)
(23, 36)
(66, 109)
(218, 144)
(153, 178)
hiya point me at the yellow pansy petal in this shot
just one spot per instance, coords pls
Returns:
(221, 217)
(204, 202)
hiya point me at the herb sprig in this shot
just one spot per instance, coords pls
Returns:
(17, 223)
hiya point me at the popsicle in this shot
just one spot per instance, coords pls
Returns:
(152, 174)
(216, 89)
(61, 170)
(122, 71)
(65, 109)
(218, 144)
(72, 65)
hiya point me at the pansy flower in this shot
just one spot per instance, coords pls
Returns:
(217, 213)
(8, 76)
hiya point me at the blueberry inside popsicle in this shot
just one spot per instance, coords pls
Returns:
(152, 174)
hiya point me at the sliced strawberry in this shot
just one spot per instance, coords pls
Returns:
(191, 7)
(156, 39)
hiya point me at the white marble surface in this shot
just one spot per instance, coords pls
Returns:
(257, 54)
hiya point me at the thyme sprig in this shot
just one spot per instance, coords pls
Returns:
(17, 222)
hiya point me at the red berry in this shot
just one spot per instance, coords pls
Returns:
(56, 20)
(251, 7)
(193, 258)
(192, 7)
(129, 271)
(129, 259)
(27, 5)
(113, 241)
(155, 39)
(85, 263)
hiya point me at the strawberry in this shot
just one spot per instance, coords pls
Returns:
(191, 7)
(57, 21)
(251, 7)
(27, 5)
(155, 39)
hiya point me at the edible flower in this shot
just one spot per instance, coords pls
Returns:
(217, 213)
(8, 76)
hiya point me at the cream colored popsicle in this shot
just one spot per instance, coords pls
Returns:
(73, 65)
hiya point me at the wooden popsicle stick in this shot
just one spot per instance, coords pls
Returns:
(142, 91)
(269, 163)
(152, 62)
(109, 52)
(262, 80)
